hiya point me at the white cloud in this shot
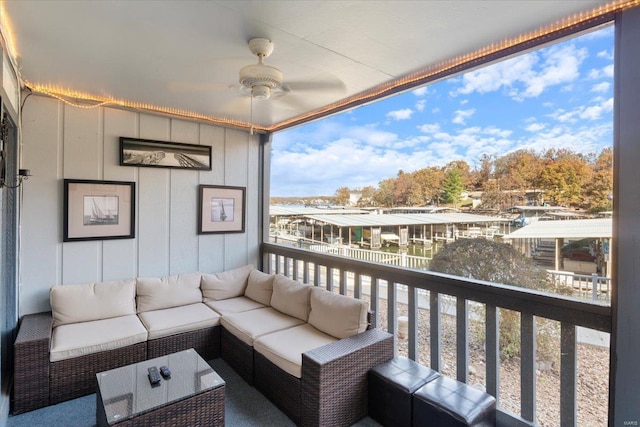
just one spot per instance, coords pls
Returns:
(526, 76)
(421, 91)
(601, 87)
(429, 128)
(435, 110)
(604, 72)
(420, 105)
(584, 112)
(534, 127)
(460, 116)
(403, 114)
(464, 102)
(605, 54)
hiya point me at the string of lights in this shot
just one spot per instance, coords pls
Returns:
(580, 21)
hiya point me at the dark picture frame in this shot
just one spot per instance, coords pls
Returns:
(98, 210)
(221, 209)
(161, 154)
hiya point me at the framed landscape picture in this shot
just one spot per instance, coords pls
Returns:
(159, 154)
(221, 209)
(98, 210)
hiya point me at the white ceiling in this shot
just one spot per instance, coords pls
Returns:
(187, 54)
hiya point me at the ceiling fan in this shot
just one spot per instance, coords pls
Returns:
(259, 79)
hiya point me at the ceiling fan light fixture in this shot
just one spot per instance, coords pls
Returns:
(261, 92)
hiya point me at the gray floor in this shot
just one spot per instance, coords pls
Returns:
(244, 406)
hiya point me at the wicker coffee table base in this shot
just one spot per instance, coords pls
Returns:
(204, 409)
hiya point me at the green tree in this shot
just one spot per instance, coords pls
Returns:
(452, 186)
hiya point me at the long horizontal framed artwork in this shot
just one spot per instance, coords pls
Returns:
(98, 210)
(160, 154)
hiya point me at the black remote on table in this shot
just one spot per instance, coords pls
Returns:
(165, 372)
(154, 376)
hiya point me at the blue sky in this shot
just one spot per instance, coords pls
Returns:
(557, 97)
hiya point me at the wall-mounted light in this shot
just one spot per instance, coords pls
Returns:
(23, 175)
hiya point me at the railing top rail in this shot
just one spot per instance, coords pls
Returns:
(562, 308)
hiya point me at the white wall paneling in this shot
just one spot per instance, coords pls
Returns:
(183, 239)
(211, 258)
(120, 257)
(61, 141)
(41, 241)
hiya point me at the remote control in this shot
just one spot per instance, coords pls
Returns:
(165, 372)
(154, 376)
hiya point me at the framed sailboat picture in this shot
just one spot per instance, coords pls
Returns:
(221, 209)
(98, 210)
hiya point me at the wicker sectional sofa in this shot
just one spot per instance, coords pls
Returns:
(307, 349)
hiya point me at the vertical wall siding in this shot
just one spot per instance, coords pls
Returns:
(60, 142)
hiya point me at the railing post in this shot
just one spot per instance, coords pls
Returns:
(343, 282)
(527, 366)
(462, 339)
(413, 324)
(568, 364)
(594, 285)
(493, 350)
(392, 320)
(375, 301)
(435, 329)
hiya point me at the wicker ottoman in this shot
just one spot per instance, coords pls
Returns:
(447, 402)
(391, 385)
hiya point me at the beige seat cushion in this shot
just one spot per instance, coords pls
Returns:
(249, 325)
(92, 301)
(233, 305)
(171, 321)
(337, 315)
(79, 339)
(155, 293)
(284, 348)
(259, 287)
(290, 297)
(224, 285)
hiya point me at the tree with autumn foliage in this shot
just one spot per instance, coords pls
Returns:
(557, 176)
(343, 194)
(599, 190)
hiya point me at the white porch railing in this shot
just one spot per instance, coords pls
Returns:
(323, 269)
(598, 288)
(397, 259)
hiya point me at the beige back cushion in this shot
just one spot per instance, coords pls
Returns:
(337, 315)
(92, 301)
(259, 287)
(156, 293)
(225, 285)
(290, 297)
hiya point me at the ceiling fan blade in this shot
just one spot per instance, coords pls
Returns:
(189, 86)
(335, 86)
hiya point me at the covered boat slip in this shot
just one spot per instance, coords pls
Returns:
(376, 230)
(561, 232)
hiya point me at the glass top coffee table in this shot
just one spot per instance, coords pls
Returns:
(194, 395)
